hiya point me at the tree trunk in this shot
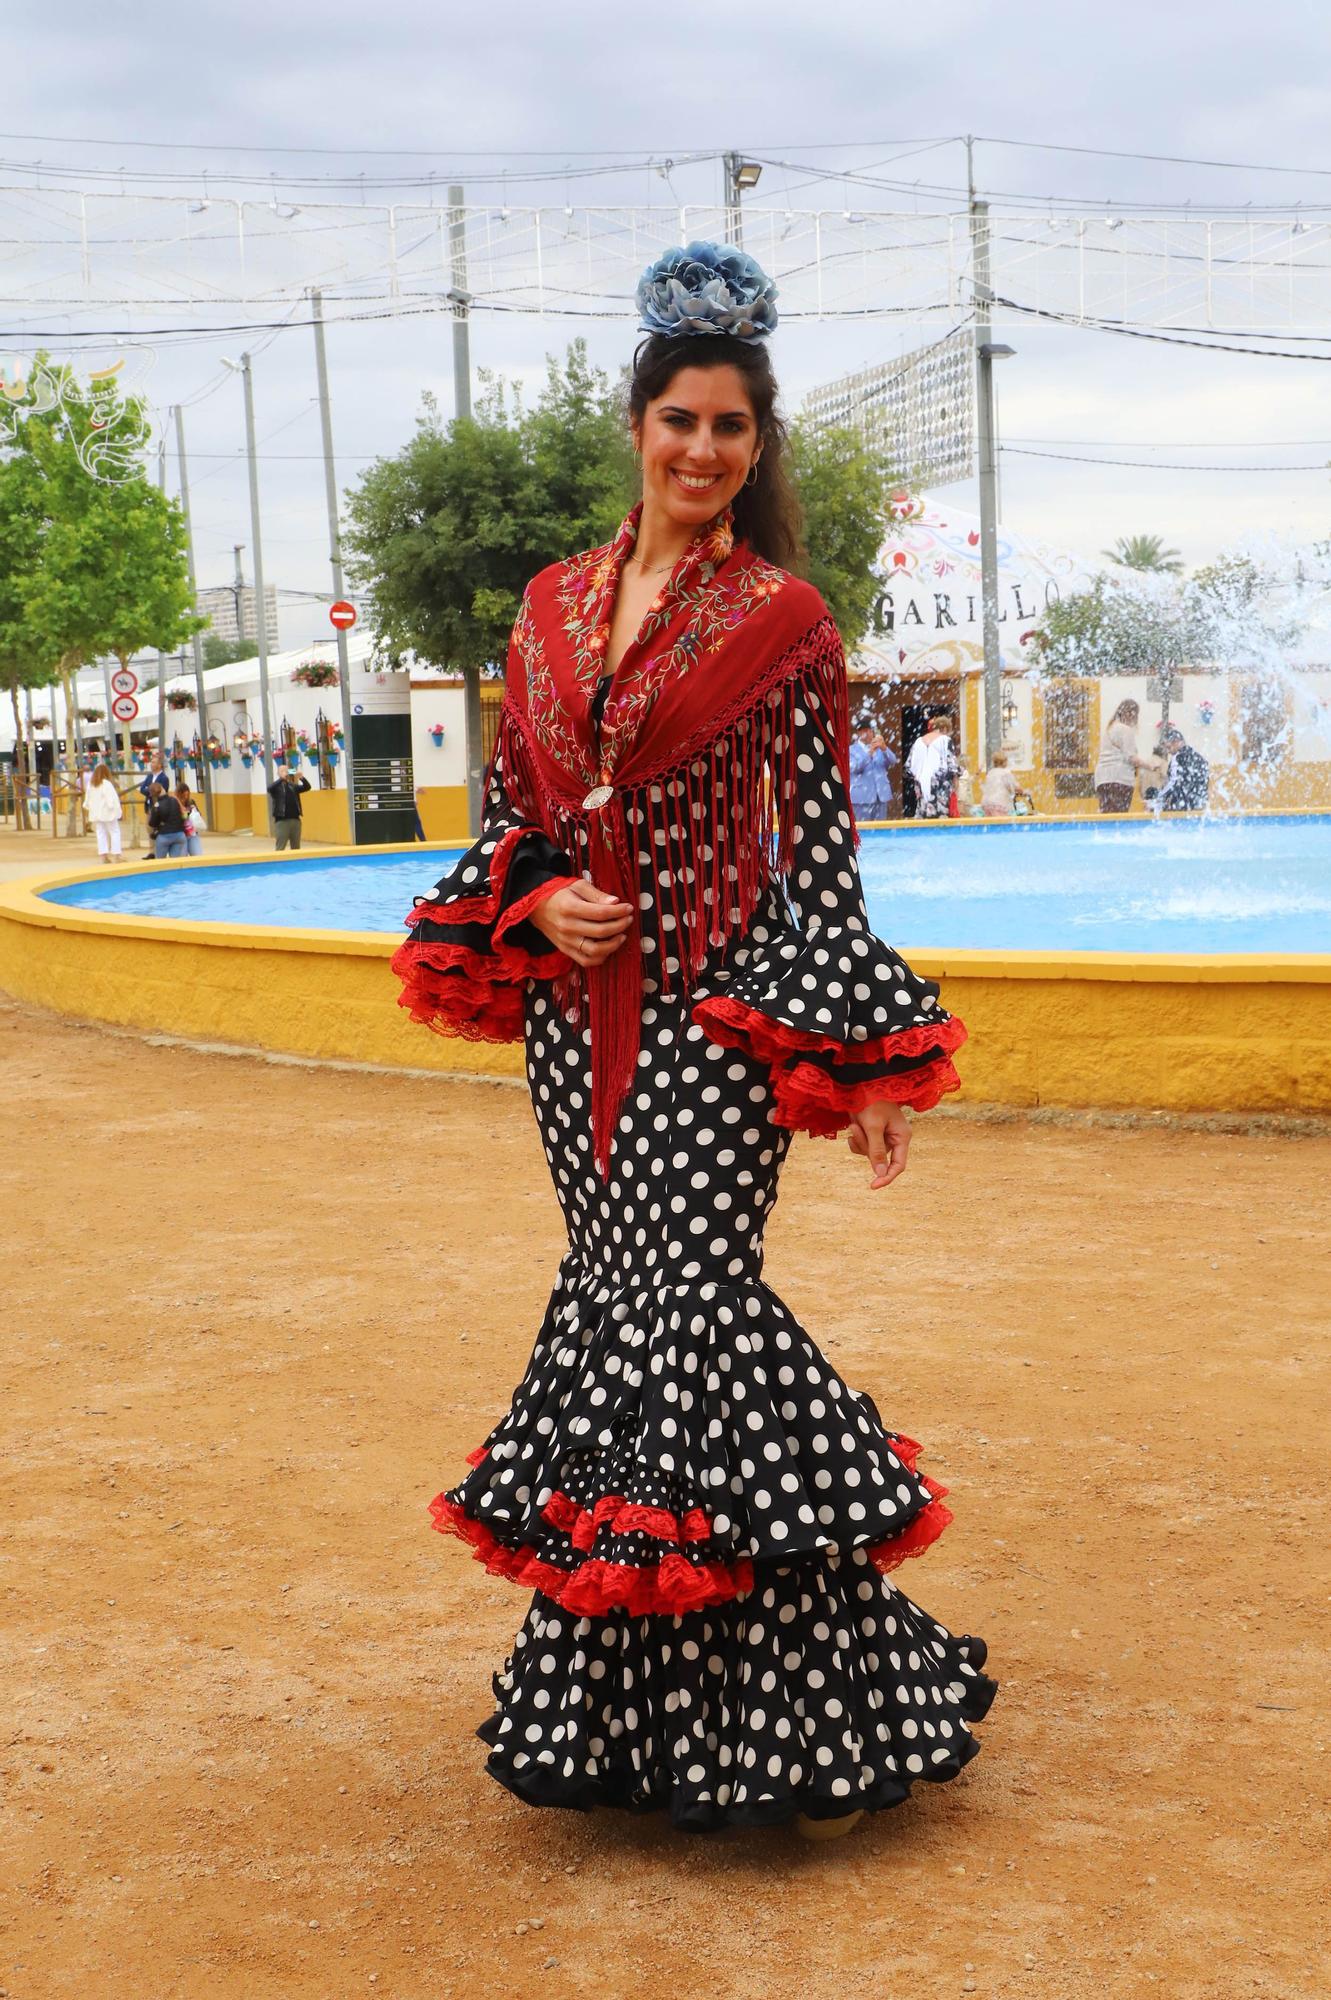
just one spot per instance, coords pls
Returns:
(21, 821)
(71, 756)
(471, 680)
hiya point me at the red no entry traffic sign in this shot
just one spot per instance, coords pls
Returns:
(124, 681)
(342, 614)
(124, 708)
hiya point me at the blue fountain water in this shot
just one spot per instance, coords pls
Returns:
(1254, 885)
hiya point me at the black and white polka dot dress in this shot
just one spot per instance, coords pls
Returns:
(705, 1512)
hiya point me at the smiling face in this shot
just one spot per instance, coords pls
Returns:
(698, 440)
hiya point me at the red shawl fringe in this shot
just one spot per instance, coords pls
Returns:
(719, 822)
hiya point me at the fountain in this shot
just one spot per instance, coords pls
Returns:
(1174, 964)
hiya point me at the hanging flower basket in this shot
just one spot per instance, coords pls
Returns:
(437, 732)
(312, 758)
(315, 674)
(247, 760)
(181, 698)
(90, 715)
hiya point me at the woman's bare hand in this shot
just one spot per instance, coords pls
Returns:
(586, 923)
(880, 1134)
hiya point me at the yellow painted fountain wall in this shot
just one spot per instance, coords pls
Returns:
(1177, 1033)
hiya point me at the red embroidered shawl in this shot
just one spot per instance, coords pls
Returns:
(697, 760)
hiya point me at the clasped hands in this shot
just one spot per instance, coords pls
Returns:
(589, 925)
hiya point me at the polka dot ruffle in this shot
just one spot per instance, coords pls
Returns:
(696, 1429)
(821, 1690)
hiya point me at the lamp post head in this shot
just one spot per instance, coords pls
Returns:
(996, 350)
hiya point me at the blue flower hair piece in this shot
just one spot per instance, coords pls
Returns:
(707, 288)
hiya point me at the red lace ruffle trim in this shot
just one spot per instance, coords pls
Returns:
(613, 1585)
(457, 990)
(735, 1026)
(929, 1523)
(482, 908)
(806, 1099)
(456, 1003)
(624, 1517)
(595, 1587)
(549, 962)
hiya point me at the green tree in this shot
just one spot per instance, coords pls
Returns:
(220, 652)
(1145, 552)
(843, 491)
(104, 568)
(444, 537)
(24, 663)
(1153, 625)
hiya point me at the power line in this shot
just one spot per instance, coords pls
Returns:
(1158, 159)
(1169, 339)
(1181, 444)
(428, 152)
(175, 336)
(1154, 465)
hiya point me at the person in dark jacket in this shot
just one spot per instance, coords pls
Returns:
(1188, 780)
(166, 822)
(285, 794)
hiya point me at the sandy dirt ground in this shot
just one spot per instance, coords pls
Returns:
(254, 1315)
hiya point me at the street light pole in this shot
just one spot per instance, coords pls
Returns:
(334, 552)
(161, 657)
(260, 608)
(740, 174)
(985, 354)
(205, 762)
(461, 299)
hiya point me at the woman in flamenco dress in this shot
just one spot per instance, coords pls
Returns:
(665, 905)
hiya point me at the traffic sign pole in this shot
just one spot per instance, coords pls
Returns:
(340, 626)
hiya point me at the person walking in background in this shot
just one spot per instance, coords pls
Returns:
(154, 780)
(285, 794)
(933, 765)
(195, 825)
(105, 812)
(1118, 763)
(870, 774)
(1188, 780)
(166, 823)
(157, 778)
(998, 797)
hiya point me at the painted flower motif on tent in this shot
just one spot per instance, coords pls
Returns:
(707, 288)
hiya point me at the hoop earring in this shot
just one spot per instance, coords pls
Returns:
(752, 479)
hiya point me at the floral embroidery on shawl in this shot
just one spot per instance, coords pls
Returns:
(713, 606)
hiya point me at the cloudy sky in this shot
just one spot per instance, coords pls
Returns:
(521, 101)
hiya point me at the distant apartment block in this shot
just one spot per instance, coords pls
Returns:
(220, 607)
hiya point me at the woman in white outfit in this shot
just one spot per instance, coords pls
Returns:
(933, 765)
(105, 813)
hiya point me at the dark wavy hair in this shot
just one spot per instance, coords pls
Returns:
(767, 514)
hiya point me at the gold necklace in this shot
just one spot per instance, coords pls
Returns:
(653, 569)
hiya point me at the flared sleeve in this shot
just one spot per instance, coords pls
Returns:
(473, 946)
(839, 1017)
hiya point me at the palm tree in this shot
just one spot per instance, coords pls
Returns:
(1145, 552)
